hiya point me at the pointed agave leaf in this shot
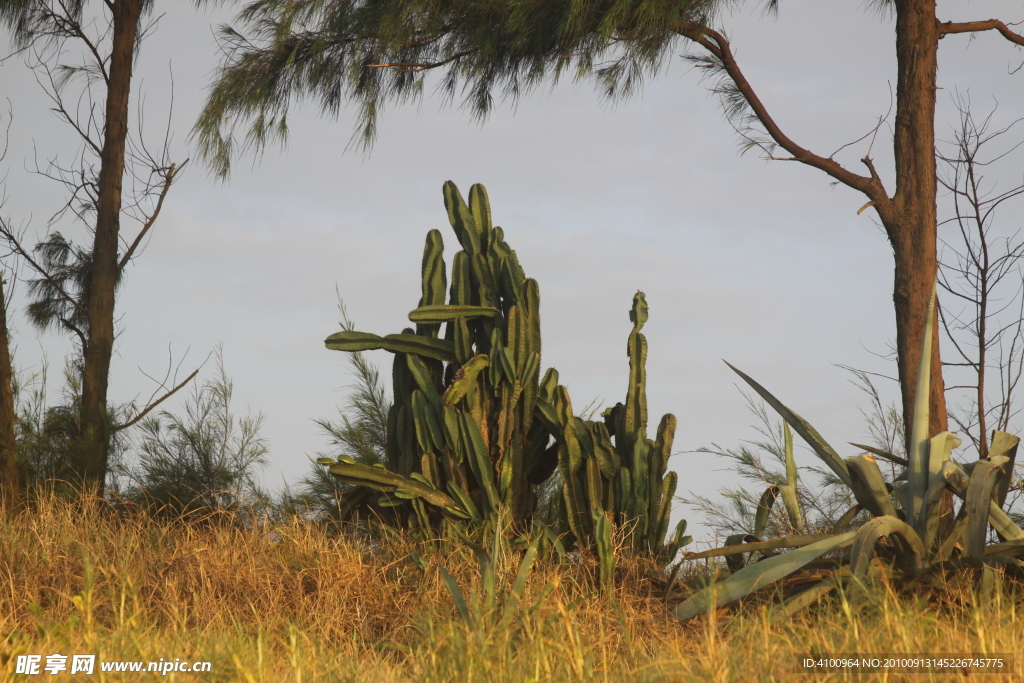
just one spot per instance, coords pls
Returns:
(883, 454)
(519, 585)
(801, 427)
(458, 597)
(868, 486)
(846, 519)
(982, 485)
(958, 480)
(908, 544)
(792, 503)
(763, 573)
(735, 561)
(764, 509)
(791, 475)
(797, 541)
(1004, 444)
(945, 550)
(918, 469)
(809, 596)
(938, 455)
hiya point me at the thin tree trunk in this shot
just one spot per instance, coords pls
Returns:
(10, 472)
(912, 223)
(98, 350)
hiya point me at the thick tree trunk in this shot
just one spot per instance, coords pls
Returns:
(911, 222)
(10, 472)
(95, 430)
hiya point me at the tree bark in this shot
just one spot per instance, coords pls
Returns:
(910, 219)
(94, 424)
(10, 472)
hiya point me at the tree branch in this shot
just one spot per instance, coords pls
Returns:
(155, 403)
(168, 180)
(978, 26)
(717, 45)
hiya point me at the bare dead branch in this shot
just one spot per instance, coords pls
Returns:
(145, 411)
(950, 27)
(169, 177)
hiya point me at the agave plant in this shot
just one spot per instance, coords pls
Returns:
(475, 428)
(906, 512)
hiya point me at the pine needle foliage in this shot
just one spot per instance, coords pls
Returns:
(376, 52)
(204, 460)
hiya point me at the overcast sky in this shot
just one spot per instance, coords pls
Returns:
(756, 262)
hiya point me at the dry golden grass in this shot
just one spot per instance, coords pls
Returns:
(294, 604)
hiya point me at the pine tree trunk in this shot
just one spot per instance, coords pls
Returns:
(98, 350)
(10, 472)
(912, 222)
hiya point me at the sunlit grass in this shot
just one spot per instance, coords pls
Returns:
(291, 603)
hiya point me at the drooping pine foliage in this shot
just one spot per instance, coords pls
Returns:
(378, 51)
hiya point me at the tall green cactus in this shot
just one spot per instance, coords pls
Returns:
(474, 428)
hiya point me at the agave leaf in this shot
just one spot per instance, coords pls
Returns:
(791, 475)
(749, 579)
(908, 544)
(881, 453)
(1004, 444)
(918, 469)
(1007, 548)
(958, 481)
(809, 596)
(458, 597)
(785, 542)
(946, 548)
(764, 509)
(979, 498)
(736, 560)
(846, 519)
(803, 428)
(868, 486)
(519, 585)
(938, 455)
(792, 503)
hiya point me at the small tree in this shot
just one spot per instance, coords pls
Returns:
(203, 460)
(75, 287)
